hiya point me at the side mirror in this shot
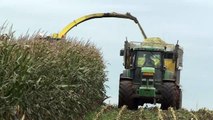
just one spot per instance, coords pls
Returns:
(121, 52)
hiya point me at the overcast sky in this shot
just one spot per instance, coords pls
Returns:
(189, 21)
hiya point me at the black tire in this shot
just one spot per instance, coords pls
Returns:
(170, 95)
(126, 93)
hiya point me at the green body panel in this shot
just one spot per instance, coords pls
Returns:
(148, 70)
(146, 91)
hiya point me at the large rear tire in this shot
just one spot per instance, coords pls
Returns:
(170, 96)
(126, 93)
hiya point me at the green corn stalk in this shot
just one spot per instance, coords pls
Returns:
(42, 79)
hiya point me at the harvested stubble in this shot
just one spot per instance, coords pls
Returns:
(42, 79)
(152, 113)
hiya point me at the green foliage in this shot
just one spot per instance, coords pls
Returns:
(42, 79)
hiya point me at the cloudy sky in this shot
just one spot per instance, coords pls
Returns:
(189, 21)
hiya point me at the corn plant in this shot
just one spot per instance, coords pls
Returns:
(42, 79)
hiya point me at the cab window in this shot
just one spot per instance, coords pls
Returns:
(148, 59)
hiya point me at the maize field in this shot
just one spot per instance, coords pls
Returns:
(110, 112)
(42, 79)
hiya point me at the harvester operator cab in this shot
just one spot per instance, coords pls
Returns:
(148, 59)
